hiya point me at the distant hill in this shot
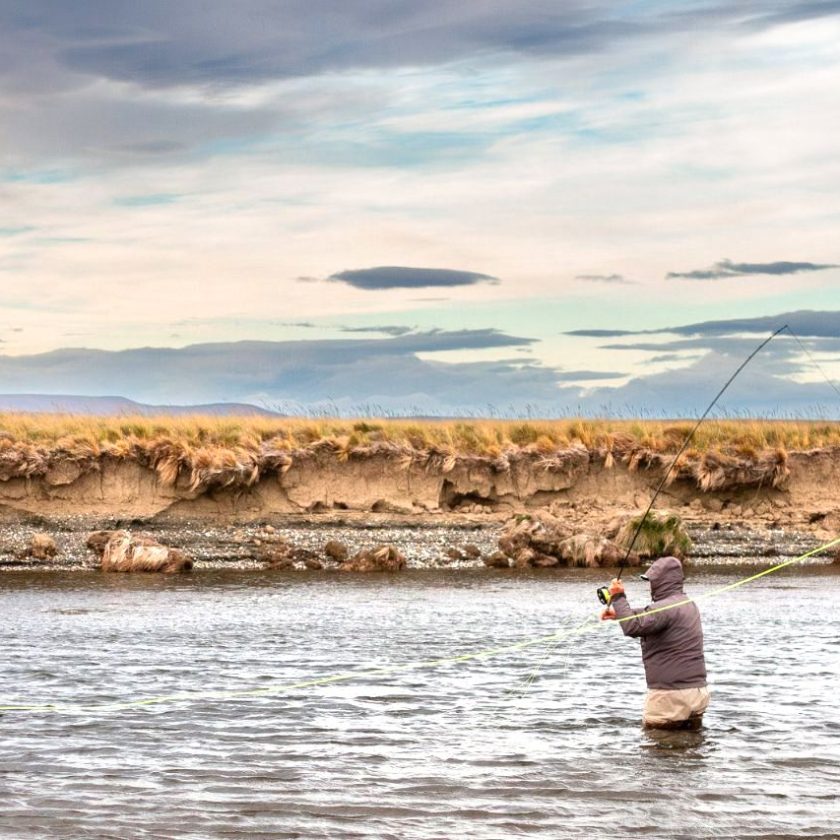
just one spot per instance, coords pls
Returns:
(111, 406)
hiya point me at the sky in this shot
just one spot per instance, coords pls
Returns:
(361, 206)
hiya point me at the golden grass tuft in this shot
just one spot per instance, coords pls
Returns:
(88, 435)
(658, 536)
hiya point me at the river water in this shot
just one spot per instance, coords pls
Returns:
(539, 742)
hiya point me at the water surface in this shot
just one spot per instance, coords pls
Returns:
(541, 742)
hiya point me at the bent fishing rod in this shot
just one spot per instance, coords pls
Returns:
(603, 592)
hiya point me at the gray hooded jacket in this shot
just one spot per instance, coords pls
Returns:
(672, 640)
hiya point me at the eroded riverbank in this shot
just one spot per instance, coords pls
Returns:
(438, 494)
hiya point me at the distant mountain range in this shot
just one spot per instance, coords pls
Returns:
(111, 406)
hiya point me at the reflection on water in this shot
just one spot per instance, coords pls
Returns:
(520, 744)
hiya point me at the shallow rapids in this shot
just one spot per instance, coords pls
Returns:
(521, 744)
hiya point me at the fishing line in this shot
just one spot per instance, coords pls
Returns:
(816, 364)
(266, 691)
(688, 440)
(529, 680)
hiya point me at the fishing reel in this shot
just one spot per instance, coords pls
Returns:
(605, 596)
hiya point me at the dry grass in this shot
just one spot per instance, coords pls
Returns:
(230, 451)
(658, 536)
(478, 437)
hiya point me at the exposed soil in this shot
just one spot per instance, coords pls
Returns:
(422, 510)
(805, 487)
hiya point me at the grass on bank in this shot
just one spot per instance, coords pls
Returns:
(655, 536)
(119, 435)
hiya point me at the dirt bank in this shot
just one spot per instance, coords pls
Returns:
(799, 490)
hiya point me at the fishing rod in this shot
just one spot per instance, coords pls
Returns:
(603, 592)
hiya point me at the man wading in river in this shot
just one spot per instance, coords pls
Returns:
(672, 647)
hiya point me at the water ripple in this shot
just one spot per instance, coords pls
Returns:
(521, 744)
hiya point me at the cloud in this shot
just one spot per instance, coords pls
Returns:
(796, 12)
(669, 358)
(727, 268)
(302, 138)
(143, 82)
(440, 340)
(389, 374)
(163, 44)
(398, 277)
(762, 389)
(117, 126)
(768, 386)
(594, 333)
(385, 330)
(352, 370)
(728, 345)
(804, 323)
(587, 375)
(604, 278)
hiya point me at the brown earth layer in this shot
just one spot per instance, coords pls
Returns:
(796, 489)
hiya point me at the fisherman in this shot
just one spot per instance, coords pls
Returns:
(672, 646)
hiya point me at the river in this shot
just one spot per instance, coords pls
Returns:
(539, 742)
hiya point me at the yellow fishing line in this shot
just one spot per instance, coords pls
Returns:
(580, 628)
(71, 708)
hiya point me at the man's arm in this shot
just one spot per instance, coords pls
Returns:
(638, 622)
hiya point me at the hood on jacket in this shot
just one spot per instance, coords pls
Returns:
(665, 576)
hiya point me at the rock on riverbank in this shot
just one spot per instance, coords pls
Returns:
(446, 544)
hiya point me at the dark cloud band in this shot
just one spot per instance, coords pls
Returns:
(805, 323)
(727, 268)
(158, 43)
(308, 371)
(399, 277)
(386, 329)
